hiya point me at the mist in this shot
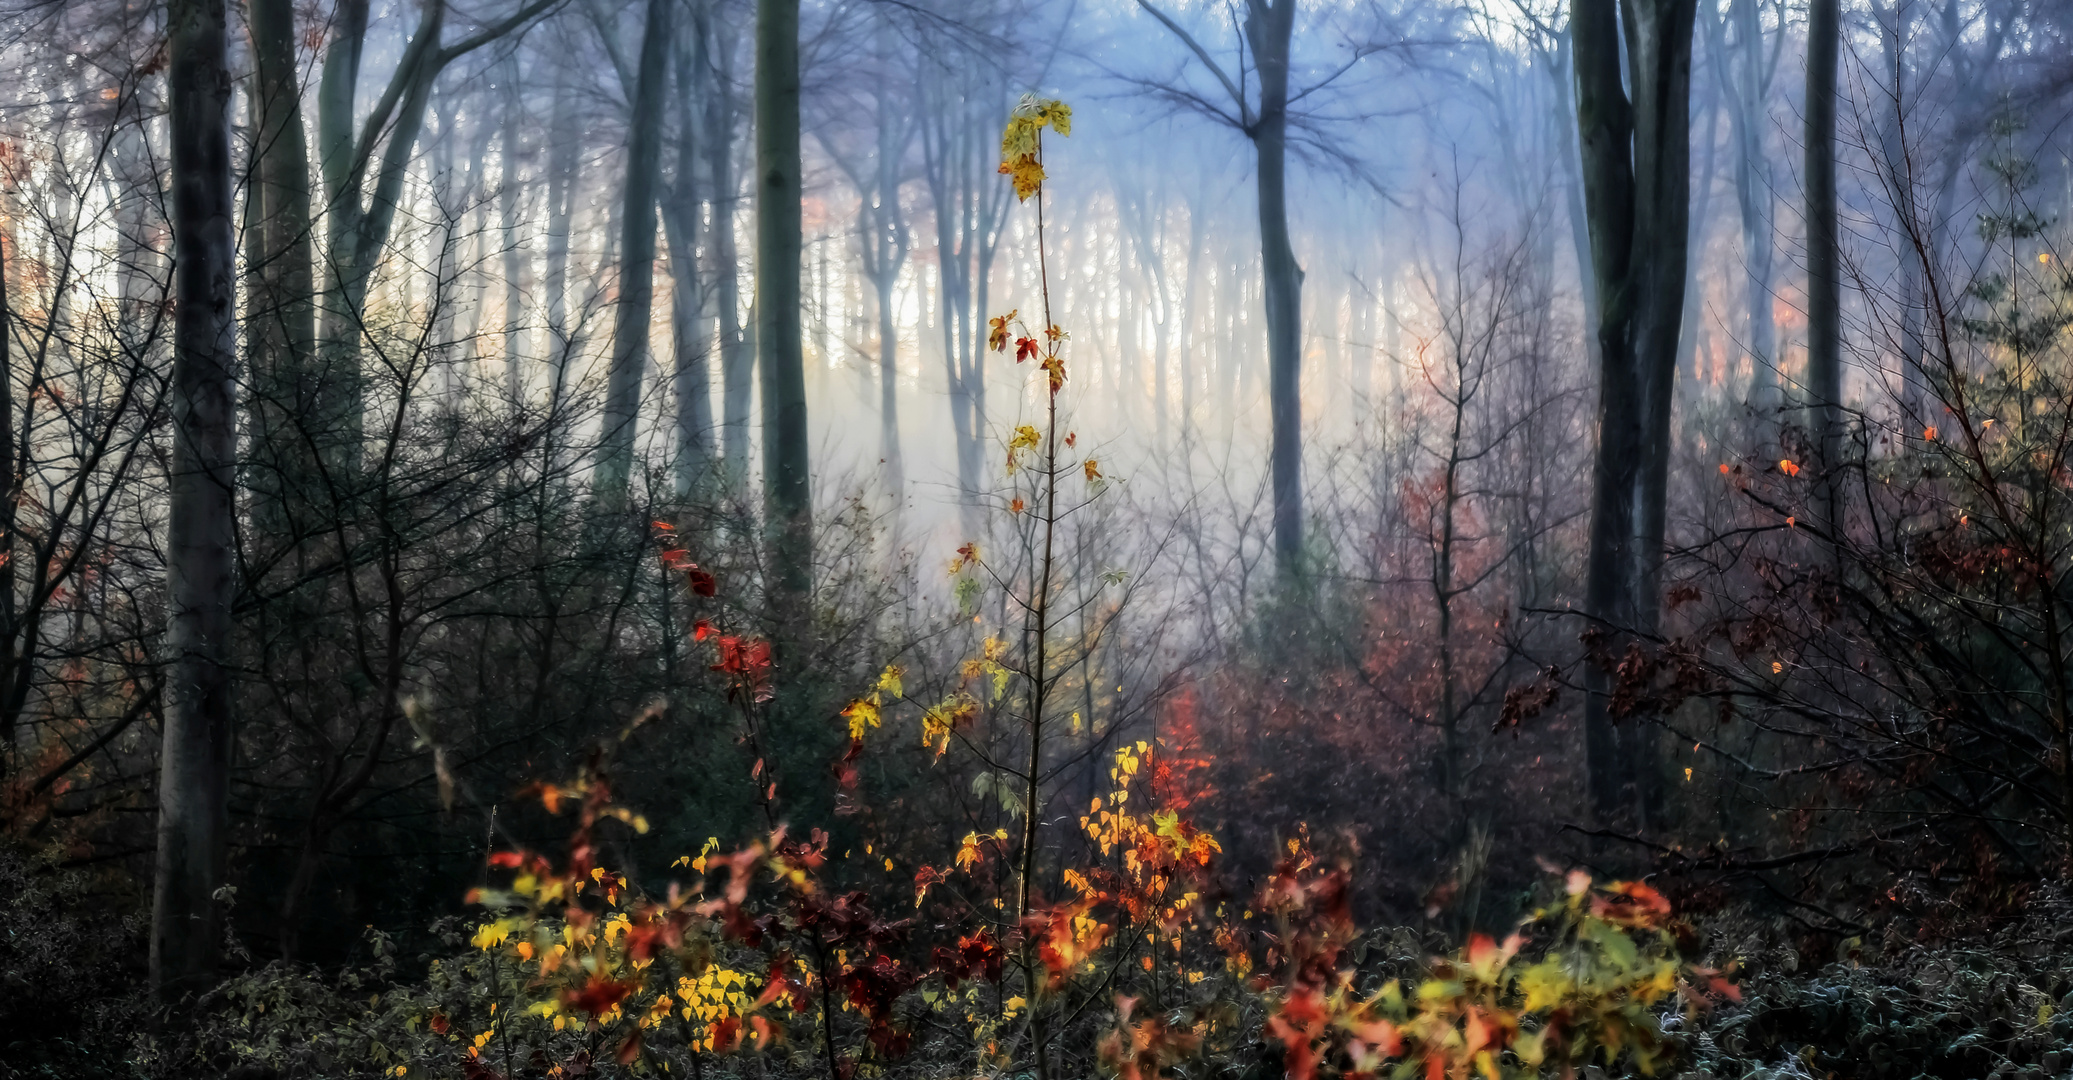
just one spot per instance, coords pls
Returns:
(1138, 537)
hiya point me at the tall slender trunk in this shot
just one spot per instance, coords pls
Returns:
(1745, 76)
(889, 394)
(509, 156)
(563, 148)
(1894, 149)
(636, 306)
(281, 297)
(1692, 321)
(1824, 272)
(737, 363)
(787, 492)
(1637, 178)
(195, 751)
(1268, 28)
(691, 330)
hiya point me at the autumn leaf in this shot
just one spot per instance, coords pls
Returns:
(1025, 349)
(997, 336)
(1788, 467)
(862, 715)
(1016, 506)
(1021, 144)
(1092, 469)
(1055, 367)
(1025, 438)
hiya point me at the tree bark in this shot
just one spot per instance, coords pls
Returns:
(195, 754)
(737, 362)
(691, 329)
(636, 263)
(1637, 177)
(787, 492)
(509, 155)
(1268, 28)
(1824, 274)
(281, 303)
(1745, 76)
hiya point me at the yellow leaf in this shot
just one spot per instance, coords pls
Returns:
(862, 715)
(1026, 438)
(889, 680)
(1093, 470)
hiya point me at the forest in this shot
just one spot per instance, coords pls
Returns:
(1036, 539)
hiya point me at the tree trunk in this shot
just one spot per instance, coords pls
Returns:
(888, 245)
(1895, 149)
(1268, 28)
(508, 223)
(787, 494)
(1637, 177)
(1824, 275)
(737, 363)
(692, 344)
(195, 753)
(1746, 78)
(281, 303)
(636, 263)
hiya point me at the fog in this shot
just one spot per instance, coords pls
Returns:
(1462, 440)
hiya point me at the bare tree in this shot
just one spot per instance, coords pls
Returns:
(1637, 178)
(1824, 269)
(636, 259)
(787, 484)
(194, 777)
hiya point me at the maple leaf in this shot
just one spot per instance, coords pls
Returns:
(1016, 506)
(862, 715)
(1025, 438)
(1025, 348)
(1055, 367)
(1026, 173)
(1788, 467)
(1092, 469)
(997, 336)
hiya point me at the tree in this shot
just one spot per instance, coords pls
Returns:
(883, 239)
(691, 327)
(1824, 272)
(1262, 117)
(194, 774)
(636, 260)
(280, 303)
(1637, 177)
(959, 109)
(715, 55)
(1744, 70)
(787, 490)
(358, 217)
